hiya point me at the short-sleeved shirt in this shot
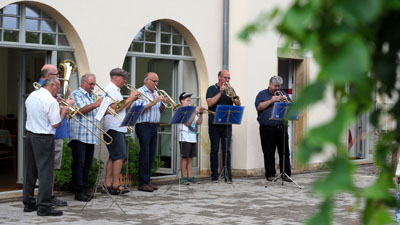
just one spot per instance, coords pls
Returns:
(153, 114)
(212, 91)
(77, 132)
(264, 115)
(110, 121)
(188, 133)
(42, 112)
(62, 131)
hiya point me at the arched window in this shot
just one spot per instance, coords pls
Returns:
(161, 48)
(20, 23)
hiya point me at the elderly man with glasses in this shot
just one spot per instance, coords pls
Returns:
(146, 130)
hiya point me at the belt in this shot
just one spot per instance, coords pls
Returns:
(149, 124)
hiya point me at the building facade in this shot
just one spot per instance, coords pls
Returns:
(181, 40)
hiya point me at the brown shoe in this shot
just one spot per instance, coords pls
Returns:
(154, 187)
(146, 188)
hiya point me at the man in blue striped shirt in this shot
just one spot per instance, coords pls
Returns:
(82, 141)
(146, 129)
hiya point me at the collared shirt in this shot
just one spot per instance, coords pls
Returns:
(111, 122)
(188, 133)
(43, 111)
(78, 132)
(212, 91)
(265, 115)
(62, 131)
(153, 114)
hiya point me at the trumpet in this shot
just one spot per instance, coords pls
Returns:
(132, 88)
(280, 94)
(207, 111)
(170, 103)
(230, 92)
(119, 105)
(75, 110)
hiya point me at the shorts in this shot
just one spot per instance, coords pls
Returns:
(59, 143)
(117, 149)
(188, 150)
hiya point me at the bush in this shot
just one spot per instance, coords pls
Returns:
(133, 160)
(63, 176)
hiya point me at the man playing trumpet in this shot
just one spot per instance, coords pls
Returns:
(216, 95)
(271, 131)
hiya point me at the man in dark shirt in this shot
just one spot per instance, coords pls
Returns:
(271, 131)
(220, 133)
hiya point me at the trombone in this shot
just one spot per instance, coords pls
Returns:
(132, 88)
(113, 113)
(74, 111)
(119, 105)
(170, 103)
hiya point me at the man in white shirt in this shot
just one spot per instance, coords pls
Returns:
(43, 117)
(117, 149)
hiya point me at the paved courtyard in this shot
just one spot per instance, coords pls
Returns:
(246, 201)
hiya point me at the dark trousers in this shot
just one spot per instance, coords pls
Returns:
(82, 157)
(147, 135)
(272, 138)
(38, 163)
(223, 134)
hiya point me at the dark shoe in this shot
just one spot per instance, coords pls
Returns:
(146, 188)
(89, 195)
(106, 189)
(51, 212)
(214, 180)
(119, 190)
(229, 181)
(154, 187)
(30, 208)
(285, 178)
(57, 202)
(81, 197)
(270, 178)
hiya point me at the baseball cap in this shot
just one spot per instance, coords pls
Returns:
(184, 95)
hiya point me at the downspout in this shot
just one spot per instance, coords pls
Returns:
(225, 38)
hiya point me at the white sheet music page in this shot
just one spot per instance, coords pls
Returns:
(103, 108)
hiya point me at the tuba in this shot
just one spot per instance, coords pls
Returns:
(67, 67)
(280, 94)
(230, 92)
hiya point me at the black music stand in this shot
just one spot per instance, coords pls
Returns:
(181, 116)
(227, 115)
(129, 121)
(279, 112)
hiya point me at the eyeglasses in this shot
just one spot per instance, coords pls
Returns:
(91, 84)
(228, 78)
(155, 81)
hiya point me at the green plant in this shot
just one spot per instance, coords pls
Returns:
(356, 45)
(133, 161)
(63, 176)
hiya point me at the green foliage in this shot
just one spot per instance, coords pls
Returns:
(63, 176)
(133, 161)
(356, 44)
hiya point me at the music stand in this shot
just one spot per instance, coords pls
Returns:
(129, 121)
(181, 116)
(227, 115)
(279, 112)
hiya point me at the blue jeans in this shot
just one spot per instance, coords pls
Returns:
(147, 135)
(82, 157)
(223, 134)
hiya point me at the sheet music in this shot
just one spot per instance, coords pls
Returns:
(103, 108)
